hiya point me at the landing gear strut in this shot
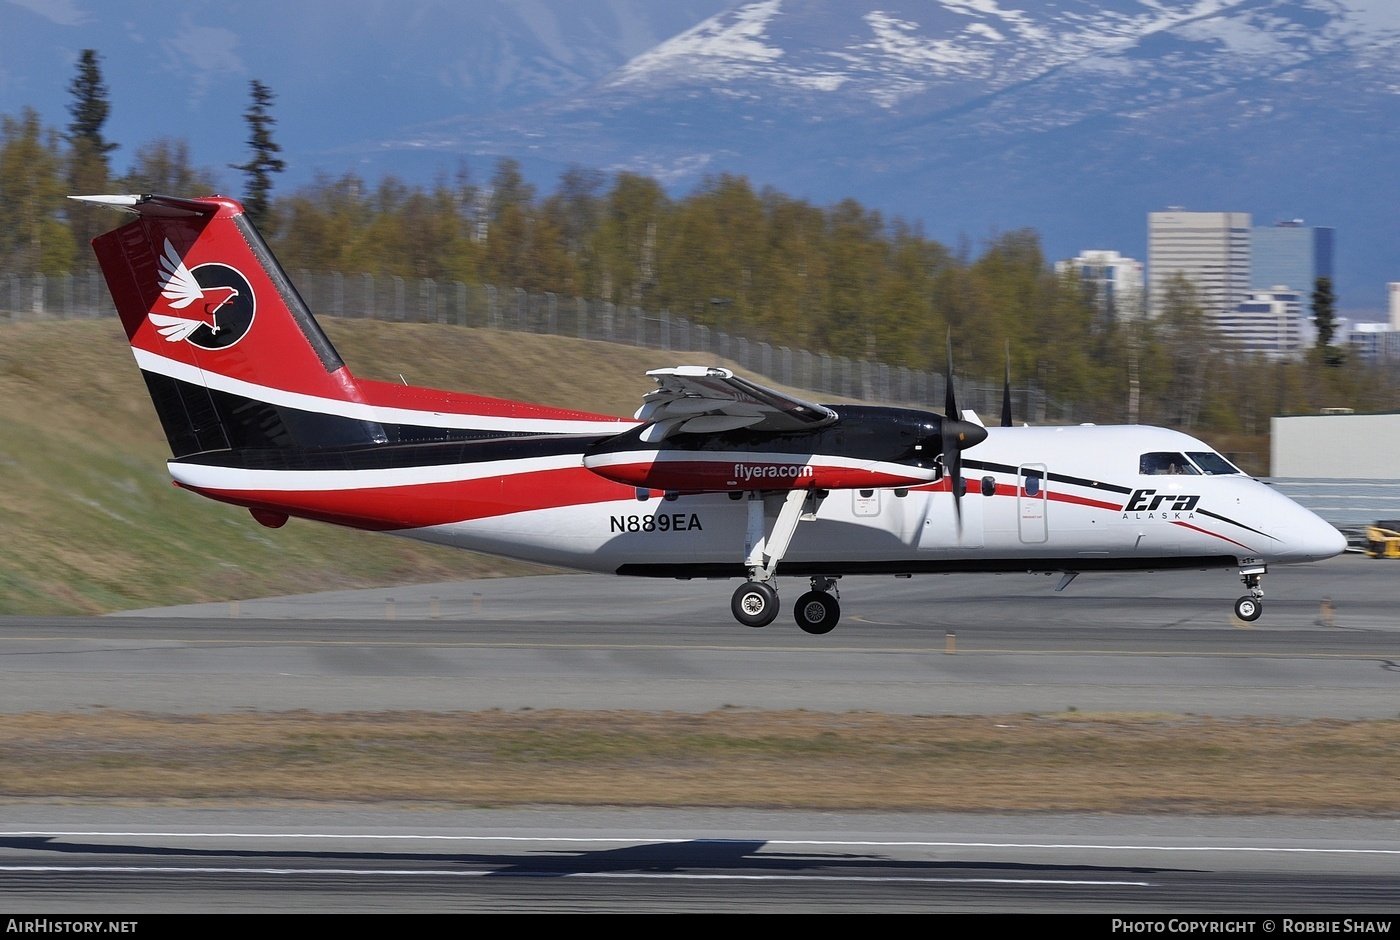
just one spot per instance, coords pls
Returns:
(1249, 607)
(755, 604)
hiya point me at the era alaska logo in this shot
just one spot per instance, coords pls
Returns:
(1151, 502)
(210, 306)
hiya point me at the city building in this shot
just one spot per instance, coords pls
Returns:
(1374, 342)
(1290, 254)
(1116, 280)
(1378, 342)
(1270, 322)
(1208, 249)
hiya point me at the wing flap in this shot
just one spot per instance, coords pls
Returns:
(709, 400)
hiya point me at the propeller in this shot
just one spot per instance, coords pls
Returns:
(1006, 391)
(958, 435)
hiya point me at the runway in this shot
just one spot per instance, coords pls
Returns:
(942, 645)
(949, 645)
(384, 860)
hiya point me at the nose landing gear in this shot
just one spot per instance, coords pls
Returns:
(1249, 607)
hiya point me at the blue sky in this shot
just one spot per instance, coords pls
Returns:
(346, 73)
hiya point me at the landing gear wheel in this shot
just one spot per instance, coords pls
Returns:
(755, 604)
(1248, 608)
(817, 612)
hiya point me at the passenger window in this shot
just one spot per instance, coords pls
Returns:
(1032, 483)
(1166, 464)
(989, 486)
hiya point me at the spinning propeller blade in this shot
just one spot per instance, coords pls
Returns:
(957, 436)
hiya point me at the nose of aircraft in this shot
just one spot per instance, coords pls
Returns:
(1306, 537)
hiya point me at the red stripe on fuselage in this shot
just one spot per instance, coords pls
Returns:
(1196, 528)
(385, 508)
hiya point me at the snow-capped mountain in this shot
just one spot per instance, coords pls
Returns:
(1071, 117)
(1075, 118)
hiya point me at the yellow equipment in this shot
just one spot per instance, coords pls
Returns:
(1383, 539)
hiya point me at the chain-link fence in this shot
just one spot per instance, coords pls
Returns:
(424, 300)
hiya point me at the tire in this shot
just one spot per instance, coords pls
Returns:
(1248, 609)
(817, 612)
(755, 604)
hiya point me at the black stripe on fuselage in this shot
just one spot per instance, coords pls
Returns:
(199, 420)
(496, 446)
(1227, 519)
(932, 566)
(971, 464)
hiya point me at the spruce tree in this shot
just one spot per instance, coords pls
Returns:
(1323, 315)
(265, 161)
(87, 169)
(89, 107)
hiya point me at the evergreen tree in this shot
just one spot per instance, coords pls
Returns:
(89, 107)
(1324, 317)
(265, 161)
(87, 169)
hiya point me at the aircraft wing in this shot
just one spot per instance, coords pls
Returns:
(708, 400)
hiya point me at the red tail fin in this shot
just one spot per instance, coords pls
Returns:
(231, 354)
(195, 285)
(234, 360)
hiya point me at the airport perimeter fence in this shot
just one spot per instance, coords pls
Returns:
(424, 300)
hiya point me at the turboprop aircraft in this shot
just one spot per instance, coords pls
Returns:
(714, 477)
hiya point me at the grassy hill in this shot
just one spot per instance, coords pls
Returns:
(89, 519)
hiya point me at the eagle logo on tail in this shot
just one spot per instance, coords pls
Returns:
(182, 291)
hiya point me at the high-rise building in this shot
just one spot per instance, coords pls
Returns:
(1289, 254)
(1117, 281)
(1208, 249)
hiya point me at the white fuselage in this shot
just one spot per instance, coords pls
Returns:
(1064, 498)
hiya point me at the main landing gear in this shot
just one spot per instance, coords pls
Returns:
(1249, 607)
(755, 603)
(818, 610)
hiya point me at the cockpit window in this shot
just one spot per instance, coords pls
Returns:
(1166, 464)
(1212, 463)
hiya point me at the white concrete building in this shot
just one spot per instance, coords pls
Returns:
(1209, 249)
(1336, 447)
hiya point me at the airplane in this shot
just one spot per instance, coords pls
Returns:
(715, 476)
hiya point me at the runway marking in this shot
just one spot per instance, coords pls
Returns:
(677, 840)
(545, 873)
